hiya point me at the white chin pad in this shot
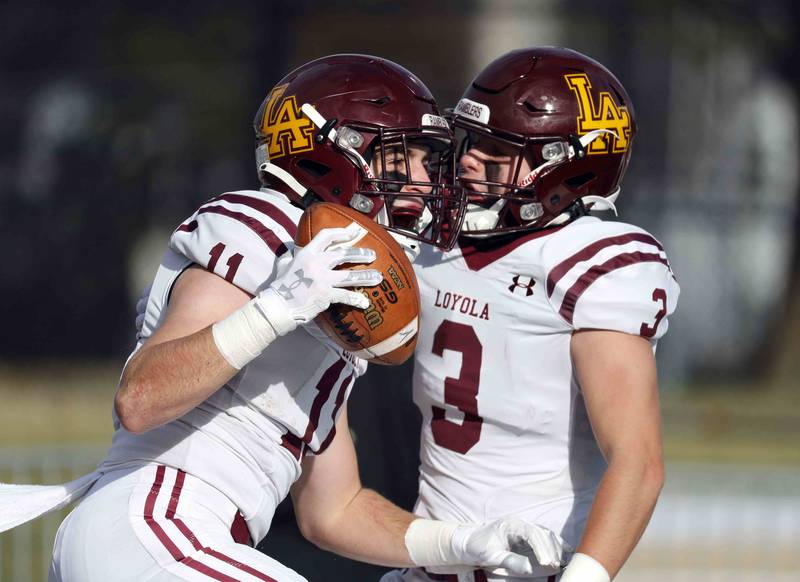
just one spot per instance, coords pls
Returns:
(480, 218)
(410, 246)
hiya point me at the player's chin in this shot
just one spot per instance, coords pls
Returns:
(404, 220)
(406, 214)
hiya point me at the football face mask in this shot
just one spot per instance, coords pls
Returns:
(410, 175)
(501, 175)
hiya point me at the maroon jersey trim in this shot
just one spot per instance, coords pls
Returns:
(339, 400)
(296, 445)
(239, 531)
(174, 551)
(477, 576)
(149, 505)
(588, 252)
(273, 242)
(324, 388)
(262, 206)
(574, 293)
(188, 227)
(293, 444)
(479, 253)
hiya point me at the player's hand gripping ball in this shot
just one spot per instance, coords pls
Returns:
(386, 332)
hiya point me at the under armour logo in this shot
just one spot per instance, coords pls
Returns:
(286, 292)
(527, 286)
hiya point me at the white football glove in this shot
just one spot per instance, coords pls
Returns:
(506, 547)
(303, 290)
(309, 284)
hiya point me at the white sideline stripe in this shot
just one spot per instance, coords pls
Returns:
(391, 343)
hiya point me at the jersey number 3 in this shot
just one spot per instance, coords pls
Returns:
(461, 392)
(659, 296)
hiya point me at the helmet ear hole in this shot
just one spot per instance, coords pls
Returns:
(313, 169)
(576, 182)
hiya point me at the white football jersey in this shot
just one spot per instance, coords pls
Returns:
(505, 431)
(248, 438)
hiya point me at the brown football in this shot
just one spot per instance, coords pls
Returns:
(386, 332)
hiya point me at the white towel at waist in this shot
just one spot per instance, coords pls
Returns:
(22, 503)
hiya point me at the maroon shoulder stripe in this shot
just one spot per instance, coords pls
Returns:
(567, 310)
(588, 252)
(262, 206)
(273, 242)
(188, 227)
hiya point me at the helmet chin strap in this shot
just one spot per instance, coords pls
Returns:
(283, 176)
(602, 202)
(592, 203)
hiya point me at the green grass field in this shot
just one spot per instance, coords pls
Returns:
(47, 403)
(756, 423)
(744, 425)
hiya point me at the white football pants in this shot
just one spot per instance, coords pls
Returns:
(155, 523)
(419, 575)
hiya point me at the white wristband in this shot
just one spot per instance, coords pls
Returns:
(243, 335)
(584, 568)
(429, 542)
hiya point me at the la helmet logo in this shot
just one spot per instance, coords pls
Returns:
(287, 130)
(523, 283)
(606, 115)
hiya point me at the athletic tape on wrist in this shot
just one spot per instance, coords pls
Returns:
(584, 568)
(429, 542)
(274, 309)
(243, 335)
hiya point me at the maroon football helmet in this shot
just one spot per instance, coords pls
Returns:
(321, 127)
(562, 124)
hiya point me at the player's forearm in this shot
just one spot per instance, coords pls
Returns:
(370, 529)
(621, 510)
(163, 382)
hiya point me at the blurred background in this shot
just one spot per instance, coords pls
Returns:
(117, 119)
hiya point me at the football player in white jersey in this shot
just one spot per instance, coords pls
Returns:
(535, 370)
(232, 386)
